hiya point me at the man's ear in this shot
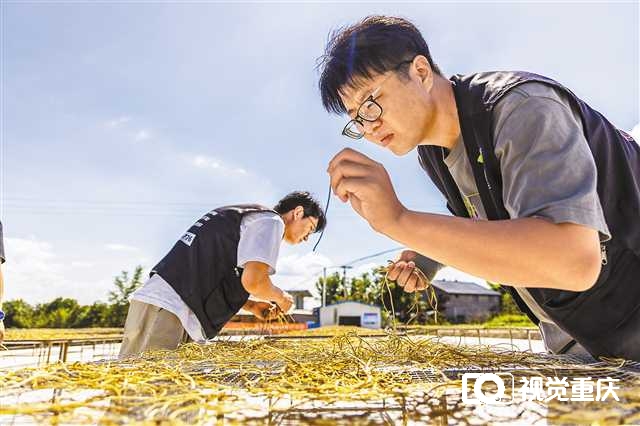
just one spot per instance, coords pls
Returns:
(423, 71)
(298, 212)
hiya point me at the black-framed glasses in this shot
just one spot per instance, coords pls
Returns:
(369, 110)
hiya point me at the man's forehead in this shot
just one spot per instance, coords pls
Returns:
(356, 91)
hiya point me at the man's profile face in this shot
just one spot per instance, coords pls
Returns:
(406, 109)
(299, 228)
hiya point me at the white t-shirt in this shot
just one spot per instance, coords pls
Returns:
(260, 238)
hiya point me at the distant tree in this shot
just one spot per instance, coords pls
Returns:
(119, 298)
(96, 315)
(59, 313)
(125, 286)
(507, 304)
(19, 314)
(373, 289)
(334, 288)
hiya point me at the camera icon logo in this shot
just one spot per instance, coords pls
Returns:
(474, 381)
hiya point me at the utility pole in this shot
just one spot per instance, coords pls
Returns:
(344, 278)
(324, 281)
(324, 286)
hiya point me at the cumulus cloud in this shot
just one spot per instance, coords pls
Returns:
(33, 270)
(217, 165)
(300, 272)
(302, 265)
(39, 271)
(451, 274)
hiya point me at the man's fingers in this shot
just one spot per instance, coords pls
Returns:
(395, 269)
(351, 155)
(410, 287)
(406, 273)
(350, 186)
(421, 284)
(347, 169)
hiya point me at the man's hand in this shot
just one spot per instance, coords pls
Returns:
(262, 310)
(366, 185)
(404, 272)
(285, 302)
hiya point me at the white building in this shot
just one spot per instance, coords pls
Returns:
(351, 313)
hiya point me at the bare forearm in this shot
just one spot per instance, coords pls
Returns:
(264, 289)
(522, 252)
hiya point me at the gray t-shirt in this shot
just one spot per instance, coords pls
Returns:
(547, 171)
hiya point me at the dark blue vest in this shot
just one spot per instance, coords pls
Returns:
(606, 318)
(201, 266)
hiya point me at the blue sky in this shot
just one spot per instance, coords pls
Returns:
(123, 122)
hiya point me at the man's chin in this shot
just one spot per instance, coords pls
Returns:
(400, 150)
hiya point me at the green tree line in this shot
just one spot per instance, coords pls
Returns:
(373, 288)
(65, 312)
(410, 308)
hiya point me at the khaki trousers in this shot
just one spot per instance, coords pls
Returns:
(150, 327)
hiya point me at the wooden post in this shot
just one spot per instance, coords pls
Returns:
(64, 348)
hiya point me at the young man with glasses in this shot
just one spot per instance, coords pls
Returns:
(557, 182)
(211, 271)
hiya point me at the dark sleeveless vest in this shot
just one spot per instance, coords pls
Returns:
(606, 318)
(201, 266)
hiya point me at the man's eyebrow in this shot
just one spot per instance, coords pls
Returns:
(361, 93)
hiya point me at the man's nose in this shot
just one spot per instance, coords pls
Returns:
(371, 126)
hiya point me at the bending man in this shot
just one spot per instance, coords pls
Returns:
(209, 274)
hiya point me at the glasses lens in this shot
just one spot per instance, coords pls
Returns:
(370, 111)
(353, 129)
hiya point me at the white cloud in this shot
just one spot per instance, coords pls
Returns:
(298, 272)
(451, 274)
(635, 132)
(38, 271)
(210, 163)
(32, 271)
(120, 247)
(117, 122)
(142, 135)
(302, 265)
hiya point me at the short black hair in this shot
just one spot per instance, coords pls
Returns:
(309, 204)
(373, 46)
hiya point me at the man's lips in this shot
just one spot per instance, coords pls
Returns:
(386, 140)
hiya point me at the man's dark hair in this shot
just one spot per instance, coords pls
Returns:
(308, 203)
(374, 46)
